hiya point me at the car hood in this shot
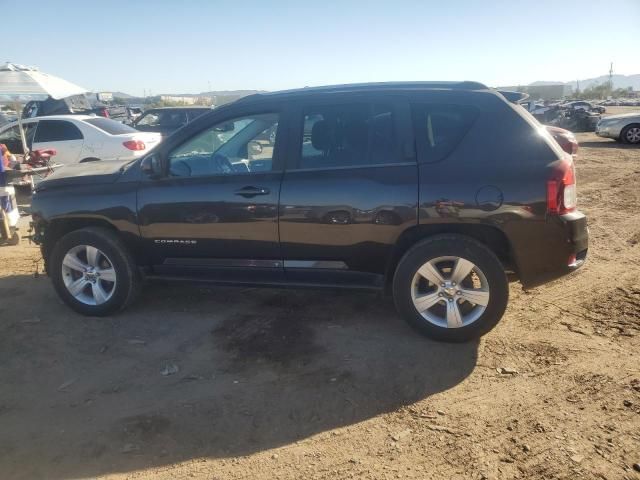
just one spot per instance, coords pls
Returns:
(99, 172)
(622, 116)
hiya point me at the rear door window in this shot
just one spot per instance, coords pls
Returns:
(348, 135)
(440, 128)
(57, 131)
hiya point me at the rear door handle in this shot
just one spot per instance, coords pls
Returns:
(252, 191)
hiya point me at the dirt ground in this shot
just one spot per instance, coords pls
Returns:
(312, 385)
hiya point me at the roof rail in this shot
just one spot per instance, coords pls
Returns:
(351, 87)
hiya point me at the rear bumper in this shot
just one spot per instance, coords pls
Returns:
(557, 249)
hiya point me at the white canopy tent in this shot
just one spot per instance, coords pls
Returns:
(23, 81)
(18, 81)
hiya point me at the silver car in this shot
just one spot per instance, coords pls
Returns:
(625, 127)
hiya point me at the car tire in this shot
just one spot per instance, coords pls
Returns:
(631, 134)
(486, 283)
(93, 272)
(89, 159)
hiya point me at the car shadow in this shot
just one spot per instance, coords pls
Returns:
(191, 372)
(606, 144)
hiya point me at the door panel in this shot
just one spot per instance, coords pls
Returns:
(67, 152)
(216, 212)
(206, 217)
(341, 214)
(345, 219)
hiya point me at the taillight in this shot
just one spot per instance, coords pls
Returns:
(561, 190)
(105, 113)
(134, 144)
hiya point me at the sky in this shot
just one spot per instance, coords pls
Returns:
(188, 46)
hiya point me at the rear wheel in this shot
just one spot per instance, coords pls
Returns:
(451, 288)
(631, 134)
(93, 272)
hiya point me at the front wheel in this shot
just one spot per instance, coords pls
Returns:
(451, 288)
(631, 134)
(93, 272)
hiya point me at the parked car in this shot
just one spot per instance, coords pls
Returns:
(168, 119)
(566, 139)
(624, 128)
(584, 105)
(433, 192)
(79, 138)
(74, 105)
(133, 113)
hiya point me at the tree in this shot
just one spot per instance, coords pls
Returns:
(601, 91)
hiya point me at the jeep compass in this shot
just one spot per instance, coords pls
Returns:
(436, 193)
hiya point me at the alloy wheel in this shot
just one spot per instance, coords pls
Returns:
(633, 135)
(88, 275)
(450, 292)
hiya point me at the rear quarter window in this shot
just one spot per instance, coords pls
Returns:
(440, 128)
(110, 126)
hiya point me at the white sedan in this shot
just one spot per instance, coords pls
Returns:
(80, 138)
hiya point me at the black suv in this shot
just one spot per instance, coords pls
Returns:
(435, 192)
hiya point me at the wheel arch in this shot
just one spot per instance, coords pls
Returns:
(490, 236)
(59, 227)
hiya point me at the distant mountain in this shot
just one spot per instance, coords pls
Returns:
(619, 81)
(121, 95)
(546, 82)
(230, 93)
(216, 93)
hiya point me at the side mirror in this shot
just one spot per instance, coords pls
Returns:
(151, 166)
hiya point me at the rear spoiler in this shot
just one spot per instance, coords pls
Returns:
(514, 97)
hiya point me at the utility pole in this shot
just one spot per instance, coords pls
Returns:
(611, 79)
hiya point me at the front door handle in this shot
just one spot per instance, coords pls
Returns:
(252, 191)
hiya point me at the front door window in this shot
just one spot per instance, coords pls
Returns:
(241, 145)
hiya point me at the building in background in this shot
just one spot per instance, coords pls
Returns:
(179, 99)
